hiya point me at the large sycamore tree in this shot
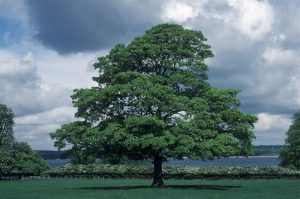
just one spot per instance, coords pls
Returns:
(290, 155)
(153, 101)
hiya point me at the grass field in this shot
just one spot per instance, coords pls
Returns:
(116, 188)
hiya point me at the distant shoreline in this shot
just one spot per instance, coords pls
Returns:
(256, 156)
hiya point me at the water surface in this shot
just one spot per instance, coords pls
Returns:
(254, 161)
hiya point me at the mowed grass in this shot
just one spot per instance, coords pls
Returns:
(117, 188)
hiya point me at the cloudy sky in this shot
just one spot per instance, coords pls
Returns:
(47, 48)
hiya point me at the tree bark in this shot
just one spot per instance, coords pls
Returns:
(157, 171)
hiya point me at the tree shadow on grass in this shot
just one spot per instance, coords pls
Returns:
(195, 187)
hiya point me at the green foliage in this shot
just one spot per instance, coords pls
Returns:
(143, 171)
(6, 139)
(153, 98)
(21, 160)
(16, 158)
(291, 155)
(6, 127)
(83, 138)
(26, 161)
(6, 161)
(267, 150)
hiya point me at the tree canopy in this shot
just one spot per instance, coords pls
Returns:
(153, 100)
(6, 127)
(290, 156)
(6, 139)
(16, 158)
(27, 161)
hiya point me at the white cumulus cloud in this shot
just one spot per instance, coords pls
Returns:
(178, 11)
(57, 115)
(12, 66)
(35, 128)
(22, 89)
(253, 18)
(278, 76)
(271, 129)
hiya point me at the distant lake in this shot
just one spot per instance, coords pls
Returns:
(254, 161)
(57, 162)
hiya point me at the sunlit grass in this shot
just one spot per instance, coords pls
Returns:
(117, 188)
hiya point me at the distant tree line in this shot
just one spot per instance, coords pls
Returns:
(50, 155)
(267, 150)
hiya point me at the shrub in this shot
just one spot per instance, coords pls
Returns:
(144, 171)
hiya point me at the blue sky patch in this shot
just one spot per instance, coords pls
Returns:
(10, 32)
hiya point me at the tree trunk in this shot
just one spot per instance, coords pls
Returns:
(157, 172)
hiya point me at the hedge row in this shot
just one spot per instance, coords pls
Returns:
(140, 171)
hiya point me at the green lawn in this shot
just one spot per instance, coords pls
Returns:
(116, 188)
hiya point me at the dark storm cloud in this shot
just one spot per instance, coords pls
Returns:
(85, 25)
(261, 84)
(76, 26)
(287, 23)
